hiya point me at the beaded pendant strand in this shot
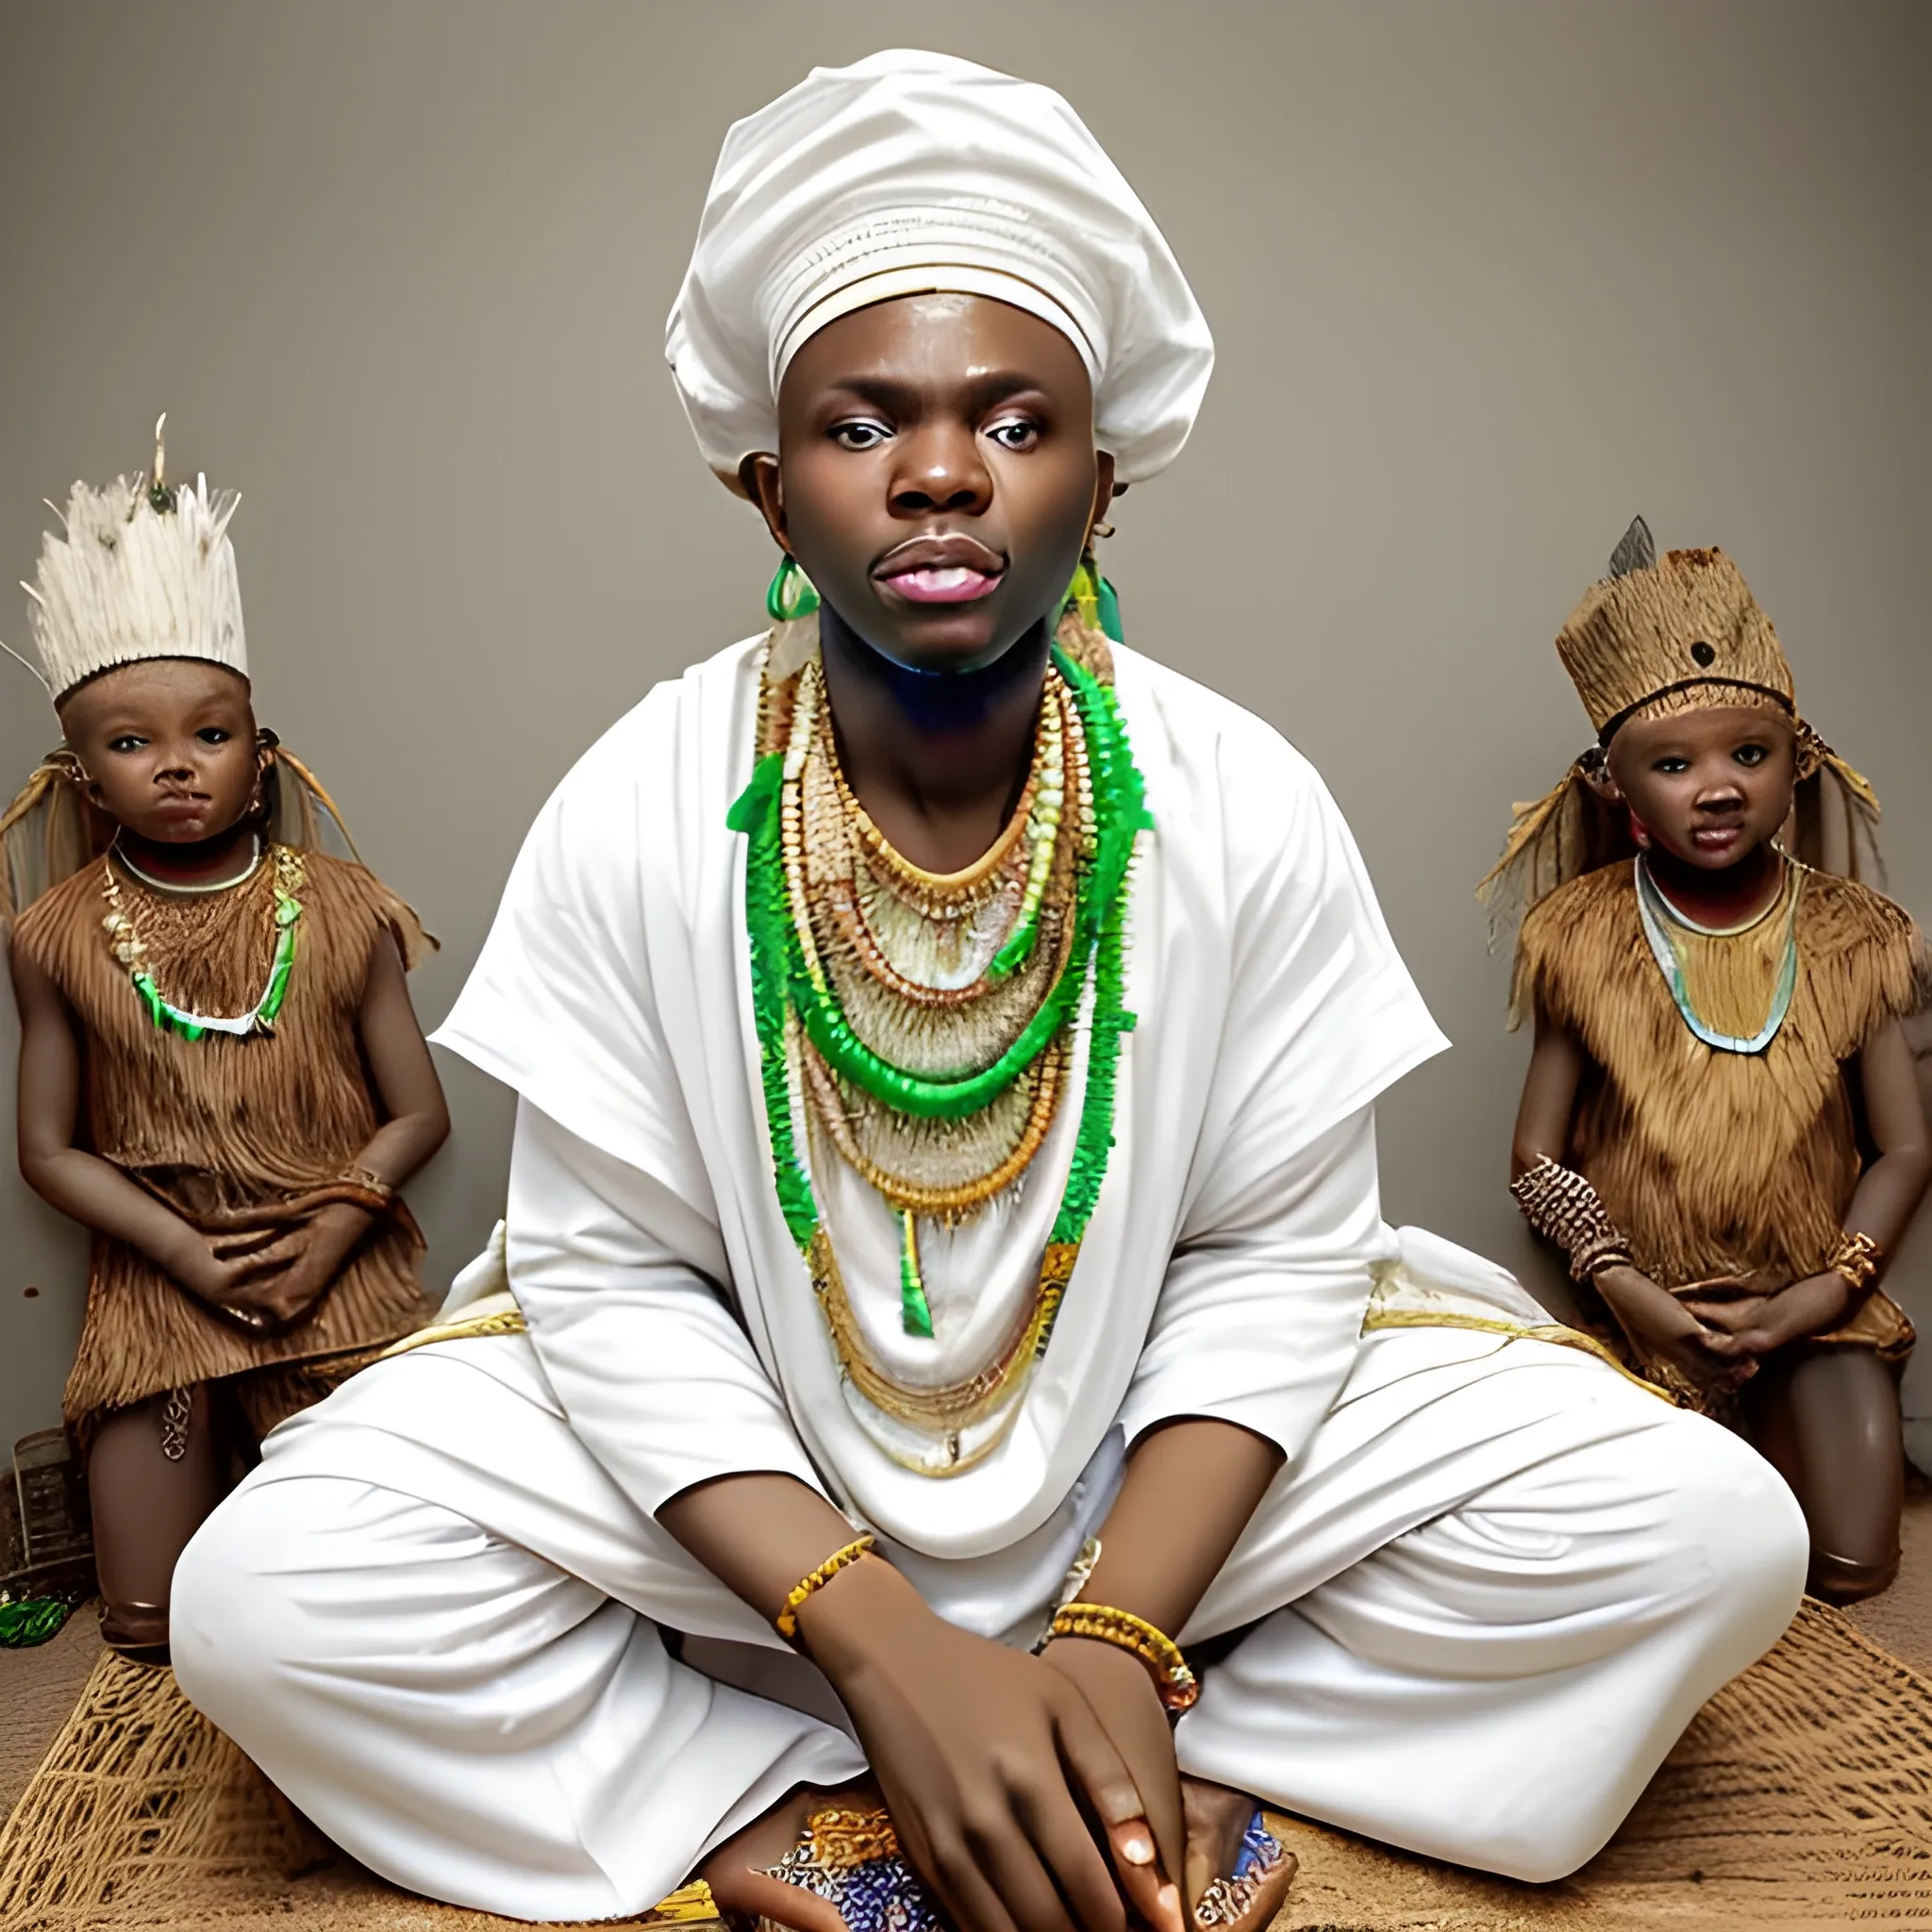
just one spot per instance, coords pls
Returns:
(124, 940)
(1666, 931)
(808, 1043)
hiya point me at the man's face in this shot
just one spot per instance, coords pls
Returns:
(170, 746)
(1711, 787)
(936, 475)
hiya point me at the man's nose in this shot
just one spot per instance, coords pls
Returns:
(941, 468)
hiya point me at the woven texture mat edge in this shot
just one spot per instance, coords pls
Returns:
(1800, 1795)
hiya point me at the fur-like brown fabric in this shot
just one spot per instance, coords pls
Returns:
(223, 1126)
(1719, 1163)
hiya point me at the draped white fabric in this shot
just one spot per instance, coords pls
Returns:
(1227, 1268)
(1490, 1583)
(1507, 1577)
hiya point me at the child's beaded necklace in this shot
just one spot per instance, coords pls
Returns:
(124, 941)
(1665, 928)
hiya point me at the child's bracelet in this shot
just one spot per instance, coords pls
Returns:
(355, 1175)
(1176, 1684)
(1856, 1259)
(785, 1621)
(1563, 1205)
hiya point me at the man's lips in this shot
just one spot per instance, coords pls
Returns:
(941, 569)
(1716, 837)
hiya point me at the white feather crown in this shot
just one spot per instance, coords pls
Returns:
(144, 571)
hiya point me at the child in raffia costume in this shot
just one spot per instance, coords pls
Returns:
(219, 1072)
(1722, 1122)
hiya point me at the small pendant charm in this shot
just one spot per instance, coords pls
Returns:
(914, 1313)
(175, 1413)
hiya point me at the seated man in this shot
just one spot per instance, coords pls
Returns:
(943, 1217)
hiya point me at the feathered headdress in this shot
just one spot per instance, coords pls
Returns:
(1651, 639)
(143, 570)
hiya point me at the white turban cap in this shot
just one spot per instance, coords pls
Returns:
(913, 172)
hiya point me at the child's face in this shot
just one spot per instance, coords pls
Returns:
(1710, 787)
(170, 746)
(937, 478)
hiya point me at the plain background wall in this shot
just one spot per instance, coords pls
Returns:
(1487, 276)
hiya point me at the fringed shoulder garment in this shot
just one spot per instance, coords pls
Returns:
(231, 1132)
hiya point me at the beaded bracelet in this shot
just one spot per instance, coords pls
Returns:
(1176, 1684)
(785, 1621)
(1856, 1258)
(1560, 1203)
(355, 1175)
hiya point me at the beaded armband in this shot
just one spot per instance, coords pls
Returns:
(1856, 1258)
(369, 1181)
(1560, 1203)
(785, 1621)
(1174, 1681)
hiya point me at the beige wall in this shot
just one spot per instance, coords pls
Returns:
(1487, 276)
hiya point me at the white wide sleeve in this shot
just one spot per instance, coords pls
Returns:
(1258, 1320)
(617, 1279)
(1260, 1314)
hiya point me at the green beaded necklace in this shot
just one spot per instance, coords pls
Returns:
(124, 941)
(785, 991)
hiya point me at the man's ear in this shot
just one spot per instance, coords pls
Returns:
(1105, 490)
(759, 478)
(1596, 771)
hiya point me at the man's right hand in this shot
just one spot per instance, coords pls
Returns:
(1663, 1329)
(979, 1751)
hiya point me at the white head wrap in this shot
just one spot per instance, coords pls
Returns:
(913, 172)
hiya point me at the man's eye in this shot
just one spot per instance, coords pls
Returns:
(1015, 433)
(1670, 767)
(861, 435)
(1750, 753)
(213, 734)
(128, 742)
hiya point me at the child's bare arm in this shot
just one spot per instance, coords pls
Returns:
(1890, 1189)
(1651, 1316)
(1887, 1194)
(398, 1056)
(94, 1191)
(290, 1274)
(1556, 1066)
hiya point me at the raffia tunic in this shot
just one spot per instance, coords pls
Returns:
(1719, 1164)
(219, 1126)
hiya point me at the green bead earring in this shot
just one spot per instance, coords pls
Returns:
(790, 594)
(1099, 608)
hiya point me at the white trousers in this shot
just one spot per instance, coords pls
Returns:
(1477, 1613)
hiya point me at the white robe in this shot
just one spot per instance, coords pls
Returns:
(490, 1503)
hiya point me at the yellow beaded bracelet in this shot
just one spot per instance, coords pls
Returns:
(785, 1621)
(1176, 1684)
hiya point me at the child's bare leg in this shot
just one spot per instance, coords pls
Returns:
(146, 1505)
(1830, 1424)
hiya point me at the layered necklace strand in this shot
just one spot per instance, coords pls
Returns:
(922, 1023)
(1671, 936)
(126, 942)
(197, 889)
